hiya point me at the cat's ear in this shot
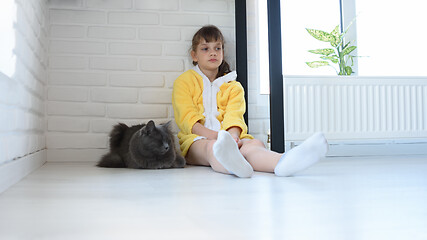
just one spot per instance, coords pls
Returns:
(150, 126)
(167, 125)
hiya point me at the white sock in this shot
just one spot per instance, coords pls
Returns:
(227, 153)
(302, 156)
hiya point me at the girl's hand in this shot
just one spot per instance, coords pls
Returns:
(237, 139)
(239, 143)
(201, 130)
(235, 133)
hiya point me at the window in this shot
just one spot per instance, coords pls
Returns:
(391, 34)
(7, 40)
(296, 16)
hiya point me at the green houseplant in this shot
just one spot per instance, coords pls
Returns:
(340, 53)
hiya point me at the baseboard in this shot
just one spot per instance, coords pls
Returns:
(356, 148)
(12, 172)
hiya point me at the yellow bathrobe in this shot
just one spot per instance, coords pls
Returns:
(218, 105)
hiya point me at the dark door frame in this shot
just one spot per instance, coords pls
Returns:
(277, 117)
(277, 126)
(242, 49)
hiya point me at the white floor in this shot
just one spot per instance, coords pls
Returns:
(339, 198)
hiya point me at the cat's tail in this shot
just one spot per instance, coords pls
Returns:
(117, 134)
(111, 160)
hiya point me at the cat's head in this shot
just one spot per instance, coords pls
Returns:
(157, 139)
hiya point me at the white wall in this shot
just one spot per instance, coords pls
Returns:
(115, 61)
(84, 65)
(22, 93)
(259, 108)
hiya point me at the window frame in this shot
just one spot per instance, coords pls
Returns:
(276, 77)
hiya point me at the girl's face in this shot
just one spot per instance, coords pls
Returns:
(208, 55)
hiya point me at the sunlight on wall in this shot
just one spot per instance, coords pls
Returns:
(7, 39)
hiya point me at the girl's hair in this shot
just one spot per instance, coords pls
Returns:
(210, 33)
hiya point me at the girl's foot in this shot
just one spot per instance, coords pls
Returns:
(227, 153)
(302, 156)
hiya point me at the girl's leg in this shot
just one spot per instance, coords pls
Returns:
(261, 159)
(222, 155)
(228, 154)
(302, 156)
(200, 153)
(293, 161)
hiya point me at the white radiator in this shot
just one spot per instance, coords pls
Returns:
(356, 109)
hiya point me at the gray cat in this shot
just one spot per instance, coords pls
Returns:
(142, 146)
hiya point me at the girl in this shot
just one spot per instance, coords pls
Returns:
(209, 105)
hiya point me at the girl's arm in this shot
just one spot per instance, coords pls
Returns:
(235, 133)
(233, 116)
(186, 113)
(201, 130)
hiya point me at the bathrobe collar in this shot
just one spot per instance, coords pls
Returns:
(210, 90)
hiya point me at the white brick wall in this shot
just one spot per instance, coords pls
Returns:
(115, 61)
(164, 5)
(22, 94)
(109, 61)
(84, 65)
(133, 18)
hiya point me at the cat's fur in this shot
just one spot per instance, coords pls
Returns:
(142, 146)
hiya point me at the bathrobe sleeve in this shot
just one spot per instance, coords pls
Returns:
(186, 110)
(235, 108)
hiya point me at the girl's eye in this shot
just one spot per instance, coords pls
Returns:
(204, 49)
(218, 48)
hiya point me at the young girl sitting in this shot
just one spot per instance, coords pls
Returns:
(209, 105)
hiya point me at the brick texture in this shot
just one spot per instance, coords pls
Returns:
(115, 61)
(84, 65)
(22, 85)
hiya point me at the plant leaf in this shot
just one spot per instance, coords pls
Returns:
(346, 45)
(348, 70)
(333, 59)
(336, 31)
(317, 64)
(348, 50)
(352, 60)
(337, 35)
(321, 35)
(324, 51)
